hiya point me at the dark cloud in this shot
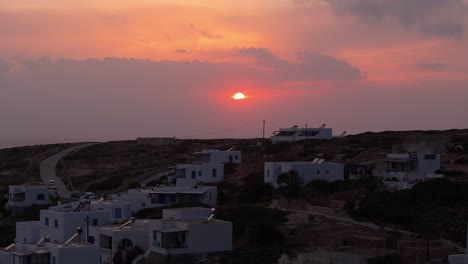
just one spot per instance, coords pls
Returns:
(125, 97)
(205, 33)
(263, 57)
(4, 67)
(311, 66)
(181, 51)
(433, 66)
(443, 18)
(443, 29)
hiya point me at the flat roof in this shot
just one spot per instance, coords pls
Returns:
(22, 253)
(41, 251)
(400, 160)
(182, 189)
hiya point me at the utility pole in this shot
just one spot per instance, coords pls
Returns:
(263, 130)
(87, 226)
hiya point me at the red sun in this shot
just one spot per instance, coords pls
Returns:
(239, 96)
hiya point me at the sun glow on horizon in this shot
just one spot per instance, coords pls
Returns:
(239, 96)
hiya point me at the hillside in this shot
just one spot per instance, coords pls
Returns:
(116, 166)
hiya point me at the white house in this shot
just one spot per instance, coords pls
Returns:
(168, 195)
(180, 231)
(296, 134)
(59, 226)
(189, 235)
(409, 167)
(206, 173)
(308, 171)
(121, 243)
(73, 251)
(220, 156)
(21, 196)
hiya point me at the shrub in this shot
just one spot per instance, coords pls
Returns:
(388, 259)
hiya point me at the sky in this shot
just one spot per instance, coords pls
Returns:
(120, 69)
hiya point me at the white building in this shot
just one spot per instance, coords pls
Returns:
(59, 225)
(191, 234)
(296, 134)
(168, 195)
(308, 171)
(206, 173)
(180, 231)
(21, 196)
(220, 156)
(73, 251)
(408, 167)
(121, 243)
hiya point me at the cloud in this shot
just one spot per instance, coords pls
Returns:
(181, 51)
(4, 67)
(204, 33)
(263, 57)
(311, 66)
(432, 66)
(442, 18)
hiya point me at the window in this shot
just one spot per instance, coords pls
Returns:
(194, 174)
(40, 197)
(268, 173)
(430, 156)
(236, 157)
(214, 173)
(46, 221)
(327, 172)
(118, 213)
(91, 240)
(199, 173)
(172, 198)
(318, 172)
(95, 221)
(56, 223)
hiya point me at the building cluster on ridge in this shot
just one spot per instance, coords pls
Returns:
(104, 231)
(85, 229)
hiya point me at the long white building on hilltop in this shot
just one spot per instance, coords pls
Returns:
(307, 170)
(296, 133)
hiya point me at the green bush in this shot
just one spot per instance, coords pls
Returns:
(248, 217)
(8, 235)
(441, 204)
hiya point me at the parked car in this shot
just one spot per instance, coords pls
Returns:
(89, 195)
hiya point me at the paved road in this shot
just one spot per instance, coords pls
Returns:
(48, 169)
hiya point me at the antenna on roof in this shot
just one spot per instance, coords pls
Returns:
(131, 221)
(315, 160)
(212, 216)
(42, 240)
(230, 148)
(320, 161)
(323, 125)
(77, 234)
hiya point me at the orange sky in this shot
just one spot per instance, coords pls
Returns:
(306, 51)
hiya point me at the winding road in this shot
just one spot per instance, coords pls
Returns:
(48, 169)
